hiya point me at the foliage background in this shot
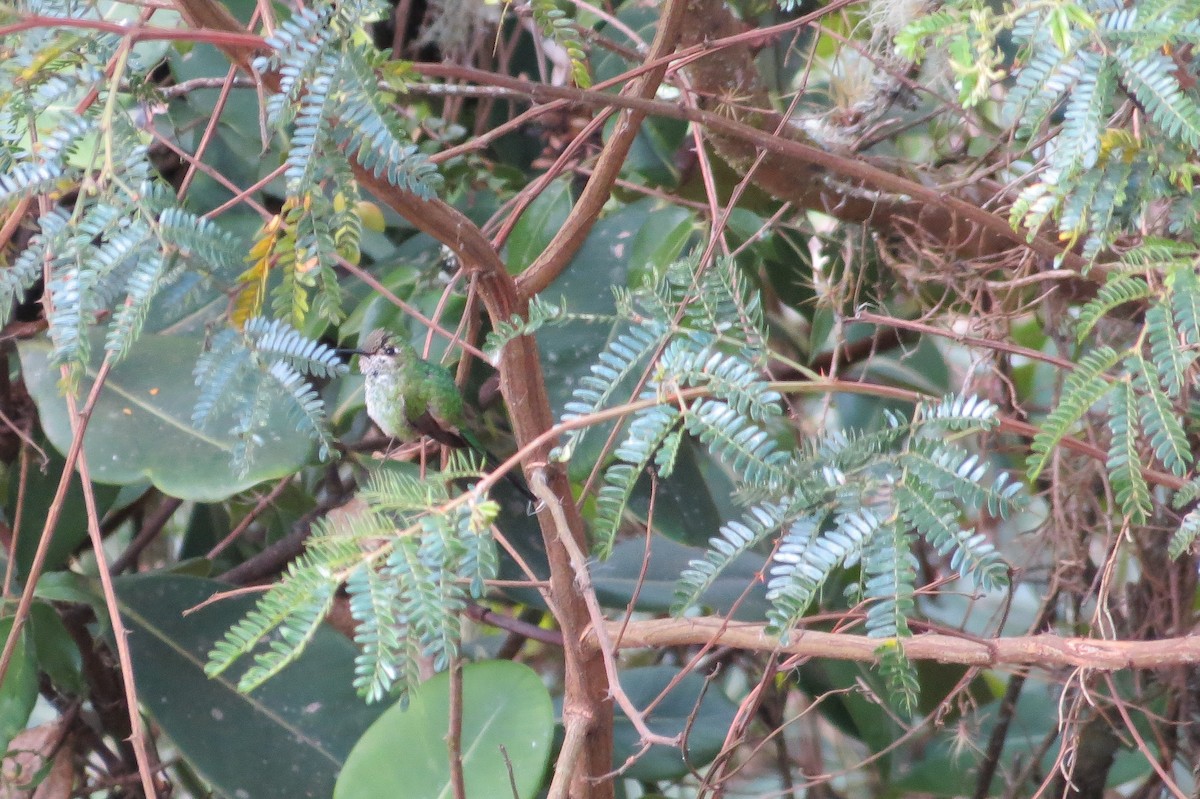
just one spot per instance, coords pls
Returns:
(849, 349)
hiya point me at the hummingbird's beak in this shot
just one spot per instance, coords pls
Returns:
(348, 351)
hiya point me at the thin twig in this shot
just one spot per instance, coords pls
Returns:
(137, 733)
(571, 235)
(151, 527)
(569, 757)
(524, 629)
(18, 514)
(263, 503)
(847, 167)
(52, 517)
(512, 778)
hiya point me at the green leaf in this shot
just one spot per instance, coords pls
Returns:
(507, 722)
(1150, 77)
(1171, 362)
(1119, 290)
(57, 654)
(900, 676)
(141, 427)
(18, 692)
(1082, 389)
(538, 225)
(702, 711)
(656, 246)
(1185, 536)
(1124, 465)
(71, 531)
(1161, 423)
(303, 723)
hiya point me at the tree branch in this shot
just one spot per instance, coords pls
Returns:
(1025, 650)
(918, 200)
(570, 237)
(524, 389)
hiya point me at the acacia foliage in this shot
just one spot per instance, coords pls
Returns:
(865, 408)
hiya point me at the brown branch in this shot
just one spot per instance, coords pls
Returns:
(52, 516)
(912, 201)
(570, 237)
(147, 762)
(523, 386)
(219, 35)
(518, 627)
(454, 734)
(1026, 650)
(264, 502)
(935, 211)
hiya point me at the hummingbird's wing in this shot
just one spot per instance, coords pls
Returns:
(437, 429)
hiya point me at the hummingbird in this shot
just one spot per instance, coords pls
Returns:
(407, 395)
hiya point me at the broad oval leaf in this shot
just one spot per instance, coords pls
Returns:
(507, 716)
(19, 691)
(287, 739)
(141, 427)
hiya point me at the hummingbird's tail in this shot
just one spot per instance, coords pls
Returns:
(464, 440)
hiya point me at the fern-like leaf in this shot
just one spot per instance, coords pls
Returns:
(1185, 302)
(614, 365)
(554, 23)
(278, 340)
(27, 268)
(1161, 423)
(748, 449)
(369, 128)
(1151, 79)
(293, 608)
(646, 434)
(732, 540)
(200, 240)
(1119, 290)
(142, 287)
(729, 377)
(1078, 145)
(1124, 465)
(889, 581)
(900, 677)
(934, 516)
(1185, 536)
(541, 313)
(1082, 389)
(957, 413)
(948, 468)
(1171, 361)
(28, 180)
(379, 634)
(307, 409)
(805, 559)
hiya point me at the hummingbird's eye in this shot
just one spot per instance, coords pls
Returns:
(389, 350)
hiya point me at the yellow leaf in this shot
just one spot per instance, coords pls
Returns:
(252, 292)
(371, 215)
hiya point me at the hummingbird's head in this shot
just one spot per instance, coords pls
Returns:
(383, 351)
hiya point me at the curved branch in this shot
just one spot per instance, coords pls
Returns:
(562, 248)
(921, 203)
(524, 390)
